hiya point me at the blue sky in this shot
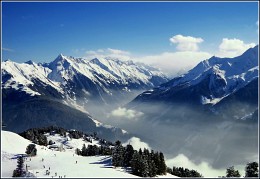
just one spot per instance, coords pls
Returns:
(39, 31)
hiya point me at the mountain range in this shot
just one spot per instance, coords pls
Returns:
(63, 91)
(217, 84)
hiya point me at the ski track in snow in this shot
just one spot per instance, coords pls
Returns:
(65, 164)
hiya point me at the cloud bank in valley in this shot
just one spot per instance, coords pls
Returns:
(126, 113)
(137, 143)
(204, 168)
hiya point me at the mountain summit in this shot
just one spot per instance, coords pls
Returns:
(74, 78)
(43, 94)
(209, 82)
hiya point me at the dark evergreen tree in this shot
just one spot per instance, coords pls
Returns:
(31, 150)
(78, 152)
(251, 169)
(169, 170)
(176, 171)
(136, 164)
(118, 155)
(153, 164)
(96, 150)
(128, 155)
(152, 168)
(162, 166)
(84, 150)
(231, 172)
(156, 159)
(144, 164)
(181, 172)
(19, 171)
(194, 173)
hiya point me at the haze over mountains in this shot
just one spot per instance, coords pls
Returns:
(208, 114)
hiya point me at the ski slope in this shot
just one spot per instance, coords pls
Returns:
(59, 164)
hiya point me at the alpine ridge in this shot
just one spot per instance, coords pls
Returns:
(209, 83)
(64, 91)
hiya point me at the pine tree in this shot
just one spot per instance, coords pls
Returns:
(153, 168)
(128, 155)
(78, 152)
(118, 155)
(31, 150)
(231, 172)
(84, 150)
(252, 169)
(136, 164)
(144, 166)
(95, 150)
(162, 166)
(19, 171)
(194, 173)
(156, 162)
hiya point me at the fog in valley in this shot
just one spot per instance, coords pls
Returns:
(188, 136)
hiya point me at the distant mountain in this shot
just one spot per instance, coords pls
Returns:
(208, 114)
(36, 95)
(213, 84)
(81, 81)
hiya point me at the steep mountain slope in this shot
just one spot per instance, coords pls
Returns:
(210, 82)
(43, 94)
(80, 81)
(40, 112)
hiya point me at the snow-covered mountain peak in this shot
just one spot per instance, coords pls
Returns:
(77, 78)
(214, 78)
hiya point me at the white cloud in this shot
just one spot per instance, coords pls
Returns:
(233, 47)
(137, 143)
(117, 51)
(174, 63)
(204, 168)
(126, 113)
(109, 52)
(186, 43)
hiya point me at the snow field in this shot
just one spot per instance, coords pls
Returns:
(58, 164)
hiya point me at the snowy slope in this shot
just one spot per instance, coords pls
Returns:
(64, 74)
(63, 163)
(21, 76)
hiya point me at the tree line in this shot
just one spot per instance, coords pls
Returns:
(36, 135)
(251, 170)
(183, 172)
(143, 163)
